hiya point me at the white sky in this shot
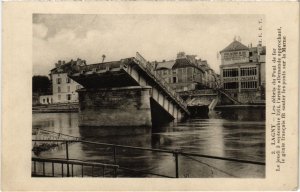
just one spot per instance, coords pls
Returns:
(156, 37)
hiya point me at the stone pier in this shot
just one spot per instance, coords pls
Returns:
(124, 106)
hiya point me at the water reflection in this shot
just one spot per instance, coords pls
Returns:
(238, 134)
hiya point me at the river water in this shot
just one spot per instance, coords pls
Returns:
(232, 133)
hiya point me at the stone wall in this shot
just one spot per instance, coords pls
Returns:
(249, 97)
(126, 106)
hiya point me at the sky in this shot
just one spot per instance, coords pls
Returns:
(156, 37)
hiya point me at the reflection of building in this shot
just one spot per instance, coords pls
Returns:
(63, 88)
(186, 73)
(243, 72)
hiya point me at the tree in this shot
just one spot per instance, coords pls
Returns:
(103, 57)
(41, 84)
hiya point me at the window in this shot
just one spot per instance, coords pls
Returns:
(59, 97)
(249, 85)
(58, 80)
(230, 73)
(68, 88)
(68, 80)
(68, 97)
(174, 79)
(231, 85)
(248, 71)
(189, 78)
(58, 89)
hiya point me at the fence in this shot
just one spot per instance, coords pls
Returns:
(70, 163)
(175, 154)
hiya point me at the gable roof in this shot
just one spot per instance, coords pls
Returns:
(165, 65)
(235, 46)
(183, 62)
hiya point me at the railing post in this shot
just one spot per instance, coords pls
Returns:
(44, 169)
(176, 164)
(115, 160)
(115, 152)
(34, 167)
(67, 157)
(72, 170)
(82, 170)
(52, 169)
(62, 170)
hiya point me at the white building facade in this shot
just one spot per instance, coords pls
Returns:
(45, 99)
(64, 88)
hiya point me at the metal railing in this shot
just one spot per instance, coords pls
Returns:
(70, 163)
(42, 134)
(148, 68)
(175, 154)
(228, 95)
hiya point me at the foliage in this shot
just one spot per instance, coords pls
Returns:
(41, 84)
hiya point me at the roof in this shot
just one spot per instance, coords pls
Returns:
(61, 69)
(204, 63)
(165, 65)
(235, 46)
(183, 62)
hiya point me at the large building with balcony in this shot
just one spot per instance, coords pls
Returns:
(242, 72)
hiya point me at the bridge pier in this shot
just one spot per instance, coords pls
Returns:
(123, 106)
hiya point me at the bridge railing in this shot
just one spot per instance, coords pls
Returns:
(176, 154)
(223, 91)
(148, 67)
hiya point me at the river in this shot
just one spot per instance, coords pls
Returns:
(233, 133)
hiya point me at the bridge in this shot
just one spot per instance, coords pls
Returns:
(124, 93)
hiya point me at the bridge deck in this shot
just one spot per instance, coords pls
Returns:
(117, 74)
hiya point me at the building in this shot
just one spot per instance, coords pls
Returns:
(186, 73)
(45, 99)
(63, 87)
(242, 72)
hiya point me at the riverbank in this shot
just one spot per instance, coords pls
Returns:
(56, 108)
(241, 106)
